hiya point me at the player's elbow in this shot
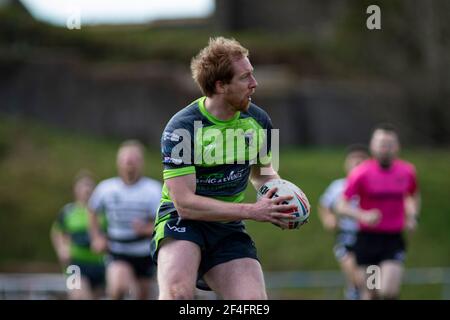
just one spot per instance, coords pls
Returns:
(183, 207)
(184, 213)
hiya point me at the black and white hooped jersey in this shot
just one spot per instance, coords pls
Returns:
(123, 204)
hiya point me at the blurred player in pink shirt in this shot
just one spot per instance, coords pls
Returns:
(389, 203)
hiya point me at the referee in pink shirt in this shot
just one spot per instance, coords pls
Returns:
(389, 203)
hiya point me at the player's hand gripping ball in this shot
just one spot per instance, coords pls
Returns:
(286, 188)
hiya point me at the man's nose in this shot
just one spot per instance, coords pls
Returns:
(253, 82)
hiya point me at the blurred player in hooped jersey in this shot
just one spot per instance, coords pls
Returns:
(129, 203)
(346, 227)
(389, 203)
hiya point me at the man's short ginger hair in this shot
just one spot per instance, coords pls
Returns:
(214, 63)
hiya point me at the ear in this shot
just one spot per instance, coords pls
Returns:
(220, 87)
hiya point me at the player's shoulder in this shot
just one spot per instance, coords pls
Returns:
(405, 165)
(109, 183)
(67, 209)
(257, 113)
(184, 119)
(336, 186)
(337, 183)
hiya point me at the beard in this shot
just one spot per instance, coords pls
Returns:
(243, 104)
(130, 176)
(239, 103)
(385, 162)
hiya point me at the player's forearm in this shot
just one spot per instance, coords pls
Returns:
(144, 229)
(327, 217)
(258, 179)
(195, 207)
(61, 245)
(344, 208)
(148, 229)
(94, 226)
(412, 206)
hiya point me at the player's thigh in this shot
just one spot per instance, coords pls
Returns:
(83, 293)
(178, 263)
(119, 274)
(348, 262)
(350, 267)
(143, 286)
(366, 291)
(391, 277)
(237, 279)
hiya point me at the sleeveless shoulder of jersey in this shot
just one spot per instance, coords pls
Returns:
(259, 115)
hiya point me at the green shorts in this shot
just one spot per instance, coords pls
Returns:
(219, 242)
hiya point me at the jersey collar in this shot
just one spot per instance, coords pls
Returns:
(210, 117)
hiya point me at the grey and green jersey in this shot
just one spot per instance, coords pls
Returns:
(219, 153)
(73, 220)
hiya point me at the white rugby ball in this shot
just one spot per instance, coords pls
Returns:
(286, 188)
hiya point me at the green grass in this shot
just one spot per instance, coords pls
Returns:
(37, 164)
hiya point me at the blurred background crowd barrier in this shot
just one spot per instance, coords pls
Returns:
(327, 284)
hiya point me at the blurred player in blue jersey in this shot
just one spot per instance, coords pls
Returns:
(346, 227)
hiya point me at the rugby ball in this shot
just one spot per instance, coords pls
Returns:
(285, 188)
